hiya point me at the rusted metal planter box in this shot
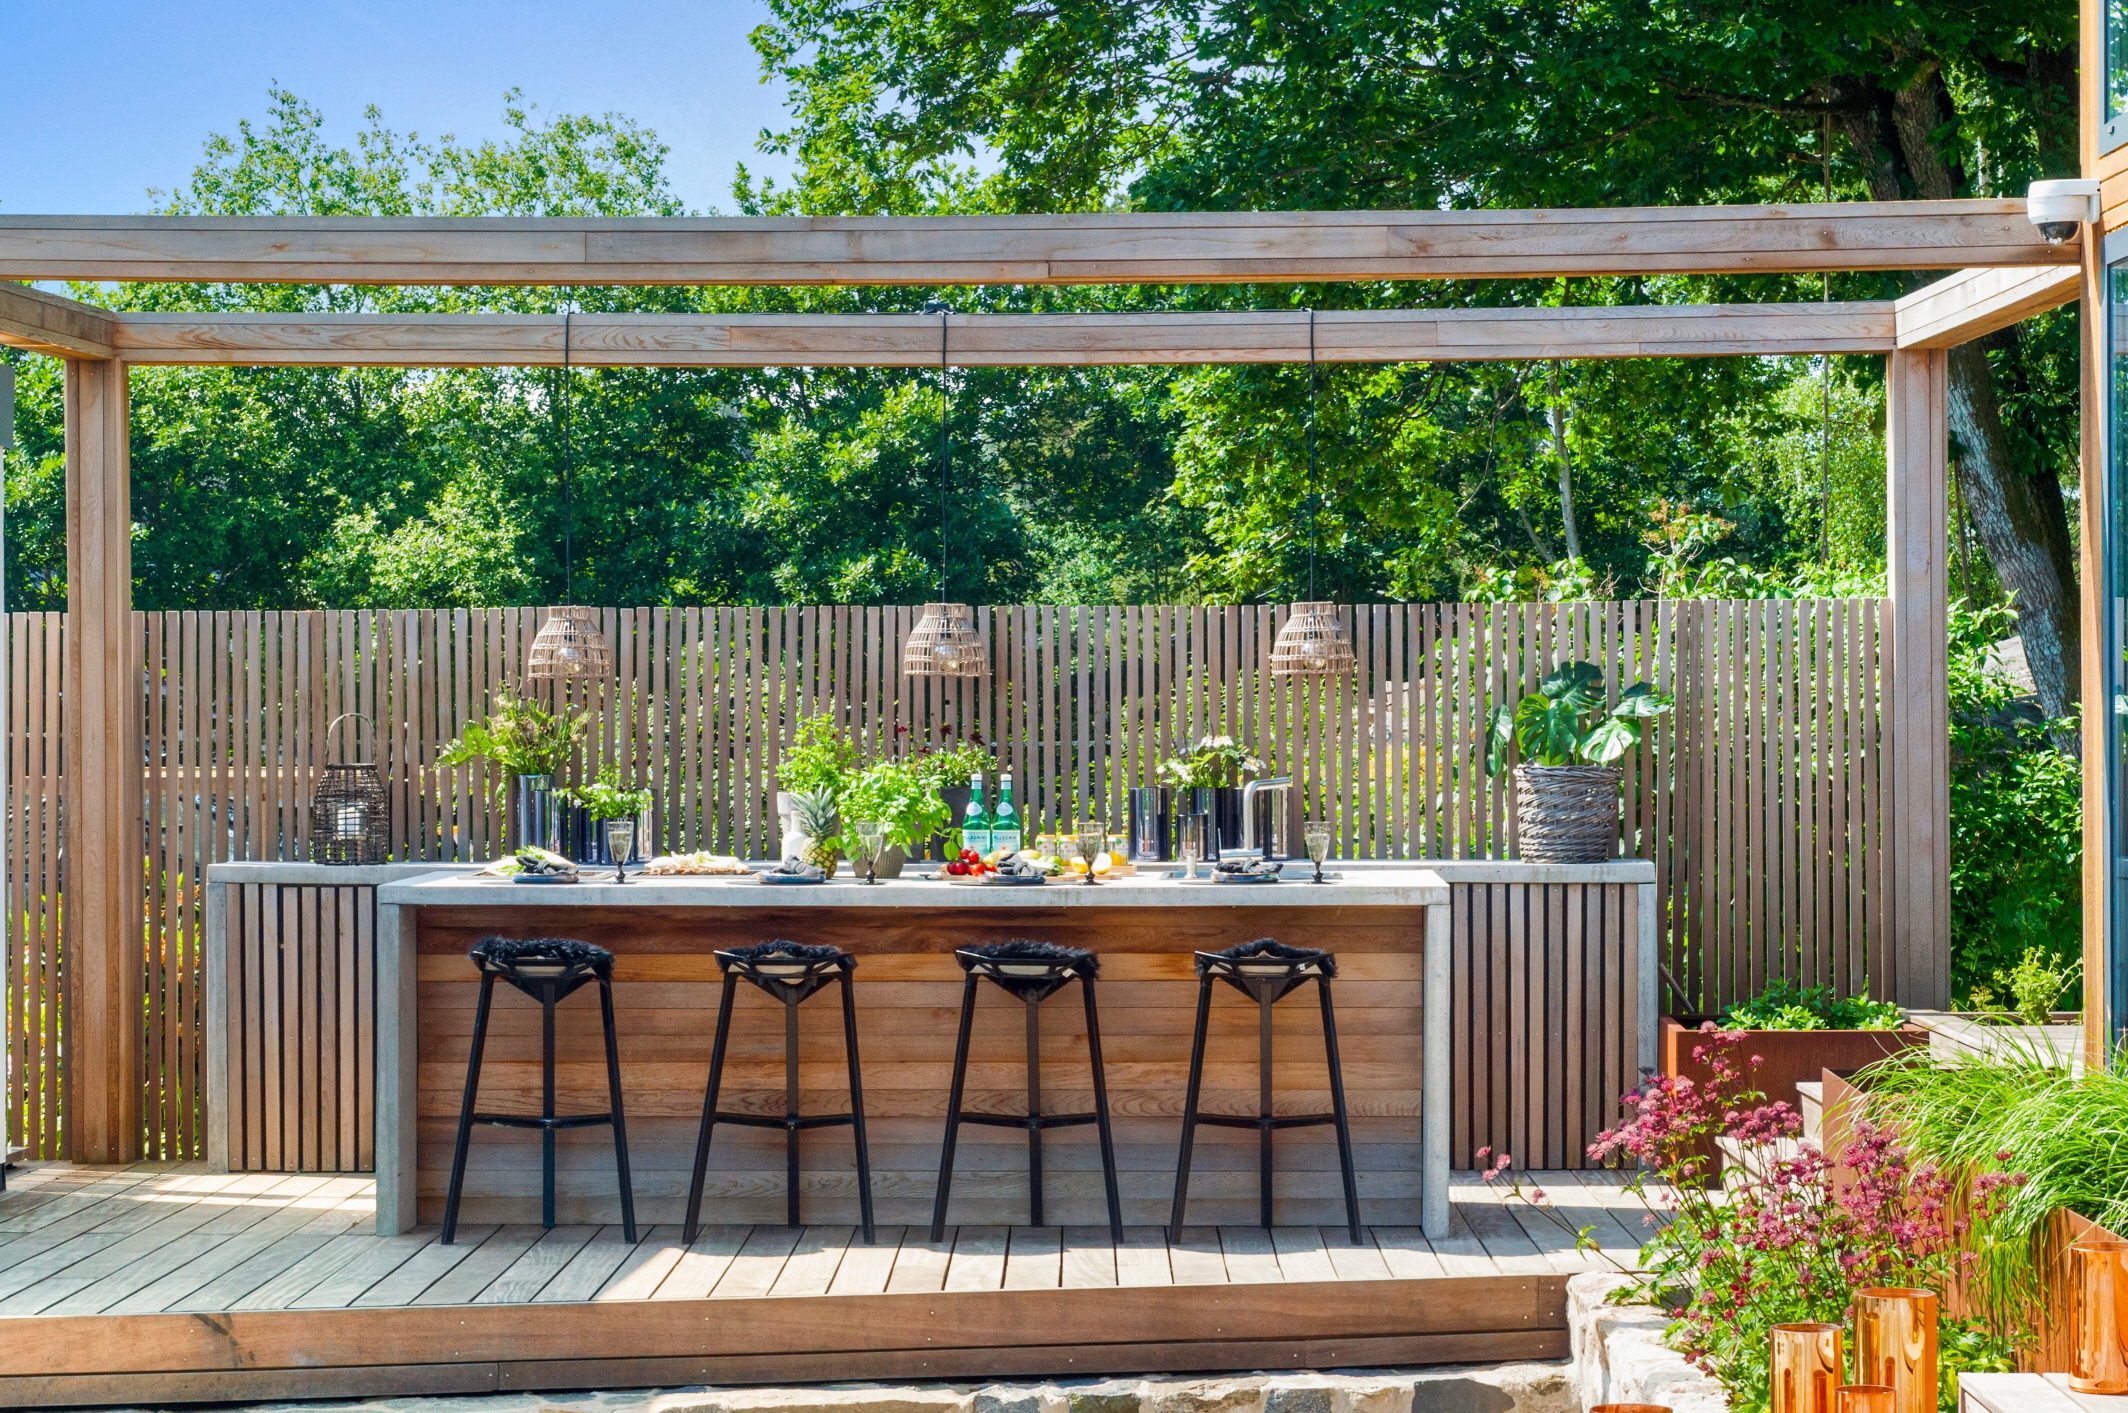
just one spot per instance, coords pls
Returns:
(1787, 1057)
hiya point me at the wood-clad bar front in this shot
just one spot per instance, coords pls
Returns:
(1384, 927)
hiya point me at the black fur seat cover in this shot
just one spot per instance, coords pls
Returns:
(783, 950)
(1271, 949)
(505, 953)
(1027, 949)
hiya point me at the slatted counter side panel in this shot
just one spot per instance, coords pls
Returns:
(907, 1017)
(1545, 981)
(302, 1027)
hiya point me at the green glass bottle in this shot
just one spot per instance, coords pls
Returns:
(975, 820)
(1005, 824)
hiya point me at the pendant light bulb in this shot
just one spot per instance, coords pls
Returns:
(944, 643)
(570, 646)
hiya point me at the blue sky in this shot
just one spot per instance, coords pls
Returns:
(104, 100)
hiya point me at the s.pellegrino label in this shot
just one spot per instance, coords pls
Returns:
(1005, 824)
(975, 820)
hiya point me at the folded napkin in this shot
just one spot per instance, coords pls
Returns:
(1258, 866)
(1024, 868)
(797, 868)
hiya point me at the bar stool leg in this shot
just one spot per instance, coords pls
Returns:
(1263, 1110)
(953, 1111)
(620, 1120)
(864, 1152)
(709, 1112)
(1108, 1139)
(465, 1110)
(1337, 1109)
(1034, 1113)
(546, 1107)
(1189, 1109)
(790, 1114)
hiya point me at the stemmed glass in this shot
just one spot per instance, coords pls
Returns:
(1316, 835)
(1190, 840)
(1092, 838)
(620, 843)
(872, 838)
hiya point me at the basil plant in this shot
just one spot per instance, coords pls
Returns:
(1566, 721)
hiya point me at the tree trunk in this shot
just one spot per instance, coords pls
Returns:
(1566, 473)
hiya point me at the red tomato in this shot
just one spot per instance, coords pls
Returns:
(957, 868)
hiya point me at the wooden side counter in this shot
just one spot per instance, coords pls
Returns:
(1388, 929)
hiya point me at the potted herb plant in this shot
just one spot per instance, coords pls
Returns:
(1562, 739)
(605, 800)
(949, 769)
(1796, 1031)
(528, 746)
(818, 761)
(1208, 773)
(901, 795)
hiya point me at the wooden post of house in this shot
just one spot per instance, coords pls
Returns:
(104, 946)
(1916, 808)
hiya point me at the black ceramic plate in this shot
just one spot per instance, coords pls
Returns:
(786, 879)
(543, 878)
(1016, 880)
(1245, 878)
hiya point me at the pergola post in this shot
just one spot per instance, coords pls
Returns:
(1914, 813)
(104, 946)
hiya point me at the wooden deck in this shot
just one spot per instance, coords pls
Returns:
(167, 1282)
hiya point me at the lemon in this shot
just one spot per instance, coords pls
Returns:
(1103, 862)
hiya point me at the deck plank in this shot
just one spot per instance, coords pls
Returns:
(108, 1264)
(422, 1270)
(1408, 1255)
(543, 1260)
(920, 1265)
(1142, 1259)
(813, 1261)
(1034, 1258)
(703, 1264)
(1089, 1258)
(1198, 1258)
(380, 1258)
(227, 1254)
(978, 1258)
(865, 1270)
(483, 1263)
(1348, 1262)
(1301, 1256)
(638, 1277)
(589, 1268)
(298, 1280)
(264, 1264)
(760, 1260)
(176, 1255)
(1504, 1239)
(1251, 1258)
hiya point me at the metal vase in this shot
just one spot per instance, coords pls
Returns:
(1895, 1345)
(1152, 831)
(2100, 1272)
(535, 816)
(1223, 804)
(1806, 1368)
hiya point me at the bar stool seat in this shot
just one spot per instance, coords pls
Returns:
(549, 970)
(1265, 971)
(790, 972)
(1032, 971)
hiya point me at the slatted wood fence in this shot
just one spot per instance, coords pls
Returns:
(1759, 799)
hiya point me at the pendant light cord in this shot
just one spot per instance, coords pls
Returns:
(568, 512)
(1314, 501)
(945, 444)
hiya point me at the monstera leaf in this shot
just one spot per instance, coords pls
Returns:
(1565, 721)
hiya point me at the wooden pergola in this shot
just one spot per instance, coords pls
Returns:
(2004, 273)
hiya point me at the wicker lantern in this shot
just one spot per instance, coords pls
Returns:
(570, 645)
(944, 643)
(1312, 643)
(350, 820)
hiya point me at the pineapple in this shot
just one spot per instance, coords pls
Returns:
(813, 811)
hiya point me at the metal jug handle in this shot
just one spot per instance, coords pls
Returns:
(334, 725)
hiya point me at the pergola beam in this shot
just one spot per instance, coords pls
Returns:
(1002, 340)
(1974, 303)
(1095, 248)
(47, 324)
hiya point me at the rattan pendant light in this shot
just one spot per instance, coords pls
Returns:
(944, 642)
(570, 645)
(1313, 641)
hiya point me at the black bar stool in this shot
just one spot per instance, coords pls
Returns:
(790, 972)
(1032, 971)
(547, 969)
(1264, 971)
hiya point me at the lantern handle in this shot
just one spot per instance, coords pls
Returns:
(334, 725)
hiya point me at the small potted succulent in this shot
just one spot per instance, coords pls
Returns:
(1562, 739)
(903, 797)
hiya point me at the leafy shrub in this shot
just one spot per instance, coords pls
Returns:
(1783, 1005)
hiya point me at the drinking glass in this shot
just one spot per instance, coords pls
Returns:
(620, 843)
(1316, 835)
(872, 839)
(1092, 839)
(1191, 837)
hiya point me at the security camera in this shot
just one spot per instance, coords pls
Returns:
(2059, 207)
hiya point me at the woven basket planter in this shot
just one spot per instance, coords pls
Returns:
(1568, 813)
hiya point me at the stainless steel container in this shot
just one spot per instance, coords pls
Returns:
(1267, 816)
(1152, 830)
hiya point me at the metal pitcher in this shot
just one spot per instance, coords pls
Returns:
(1152, 830)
